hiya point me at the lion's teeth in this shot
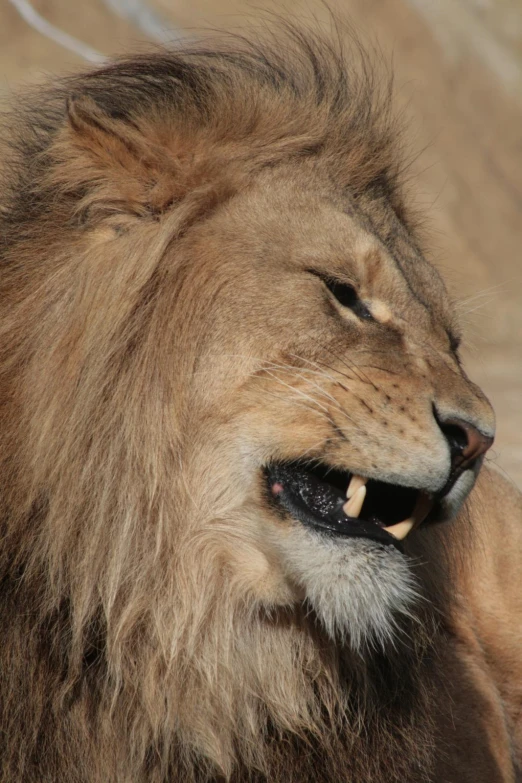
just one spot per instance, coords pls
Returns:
(352, 508)
(401, 529)
(356, 482)
(420, 512)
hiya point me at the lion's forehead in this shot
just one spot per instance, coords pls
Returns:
(291, 224)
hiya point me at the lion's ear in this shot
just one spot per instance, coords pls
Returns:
(117, 162)
(95, 126)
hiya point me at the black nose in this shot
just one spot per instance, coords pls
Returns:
(465, 441)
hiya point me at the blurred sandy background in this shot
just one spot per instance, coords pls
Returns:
(458, 66)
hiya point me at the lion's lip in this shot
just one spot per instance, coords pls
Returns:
(317, 497)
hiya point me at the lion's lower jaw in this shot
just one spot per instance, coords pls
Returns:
(357, 588)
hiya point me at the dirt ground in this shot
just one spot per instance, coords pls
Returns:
(458, 66)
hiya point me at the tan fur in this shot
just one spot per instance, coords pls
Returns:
(160, 340)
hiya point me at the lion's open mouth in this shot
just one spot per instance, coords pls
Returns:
(345, 504)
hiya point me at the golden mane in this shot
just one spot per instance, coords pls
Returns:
(121, 614)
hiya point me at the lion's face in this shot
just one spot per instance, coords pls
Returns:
(326, 362)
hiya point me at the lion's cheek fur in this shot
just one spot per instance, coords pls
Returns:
(256, 573)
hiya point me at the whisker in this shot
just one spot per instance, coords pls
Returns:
(323, 391)
(381, 369)
(299, 403)
(298, 391)
(458, 303)
(332, 439)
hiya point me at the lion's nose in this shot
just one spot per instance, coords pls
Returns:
(465, 441)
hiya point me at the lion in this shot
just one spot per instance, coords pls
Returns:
(244, 532)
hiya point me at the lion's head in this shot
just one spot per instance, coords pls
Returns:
(216, 321)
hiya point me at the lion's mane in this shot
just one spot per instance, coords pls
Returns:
(127, 652)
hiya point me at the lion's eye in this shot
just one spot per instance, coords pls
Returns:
(345, 294)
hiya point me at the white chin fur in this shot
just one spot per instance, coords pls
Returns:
(355, 586)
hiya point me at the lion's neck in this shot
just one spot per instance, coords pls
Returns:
(266, 693)
(275, 695)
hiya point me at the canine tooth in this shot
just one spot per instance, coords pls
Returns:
(352, 508)
(356, 482)
(401, 529)
(422, 507)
